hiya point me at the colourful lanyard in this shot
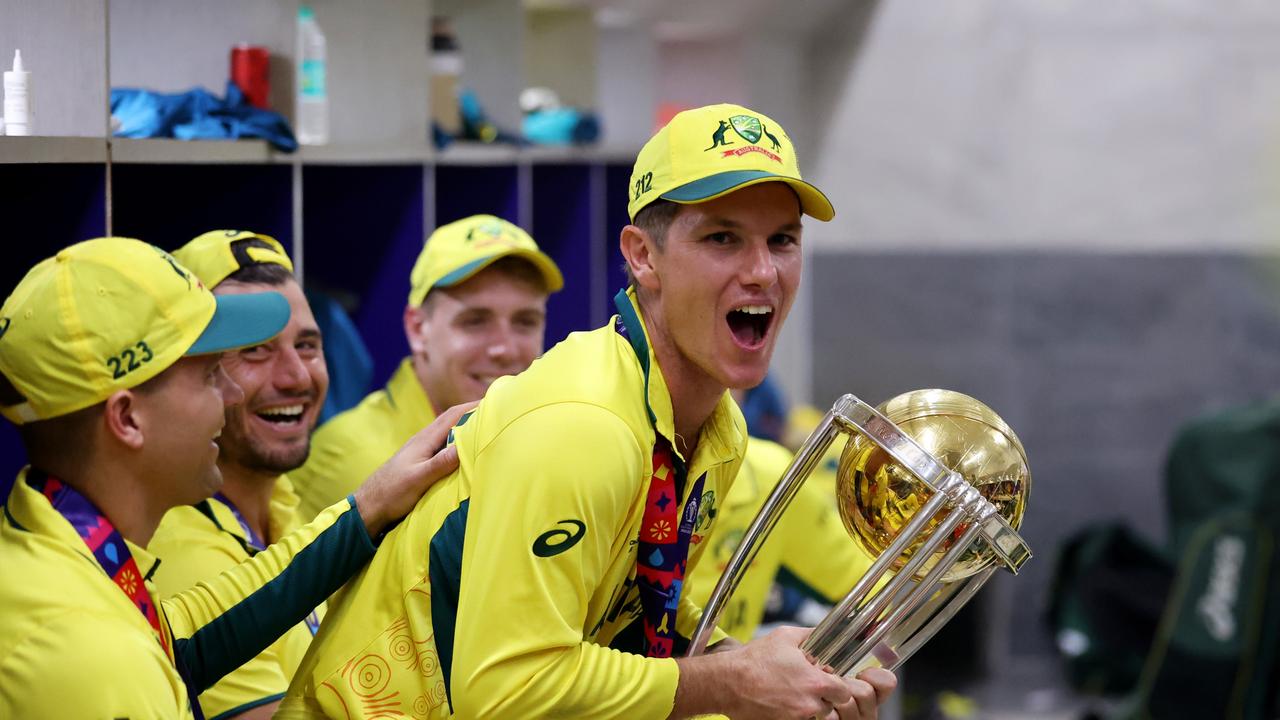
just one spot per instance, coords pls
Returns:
(106, 544)
(663, 549)
(255, 542)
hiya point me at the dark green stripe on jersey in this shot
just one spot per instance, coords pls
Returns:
(446, 579)
(249, 626)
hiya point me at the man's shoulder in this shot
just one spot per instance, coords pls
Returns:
(114, 666)
(52, 587)
(585, 371)
(767, 458)
(374, 412)
(184, 526)
(353, 443)
(191, 547)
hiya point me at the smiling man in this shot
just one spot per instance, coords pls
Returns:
(266, 435)
(543, 579)
(476, 311)
(110, 366)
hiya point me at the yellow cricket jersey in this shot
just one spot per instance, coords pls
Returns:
(510, 590)
(347, 449)
(197, 543)
(73, 645)
(808, 548)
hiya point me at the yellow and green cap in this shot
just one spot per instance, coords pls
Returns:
(109, 314)
(456, 251)
(707, 152)
(217, 254)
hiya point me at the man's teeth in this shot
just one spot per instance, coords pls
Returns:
(286, 411)
(756, 309)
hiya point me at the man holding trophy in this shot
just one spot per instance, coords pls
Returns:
(543, 578)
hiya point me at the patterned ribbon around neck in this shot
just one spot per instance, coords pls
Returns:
(255, 541)
(106, 544)
(663, 549)
(665, 532)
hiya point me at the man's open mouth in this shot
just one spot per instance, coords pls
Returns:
(750, 324)
(284, 415)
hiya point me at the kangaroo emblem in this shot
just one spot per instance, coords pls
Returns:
(772, 138)
(717, 137)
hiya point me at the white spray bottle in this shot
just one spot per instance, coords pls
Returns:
(17, 98)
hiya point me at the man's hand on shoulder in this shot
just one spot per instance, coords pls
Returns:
(393, 489)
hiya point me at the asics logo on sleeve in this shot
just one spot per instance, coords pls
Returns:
(557, 540)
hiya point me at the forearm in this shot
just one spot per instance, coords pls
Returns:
(220, 624)
(704, 683)
(577, 681)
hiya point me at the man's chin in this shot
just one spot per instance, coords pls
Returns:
(276, 461)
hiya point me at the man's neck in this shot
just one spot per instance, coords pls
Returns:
(133, 511)
(250, 492)
(694, 394)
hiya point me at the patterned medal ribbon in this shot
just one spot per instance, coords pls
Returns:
(255, 542)
(664, 549)
(106, 544)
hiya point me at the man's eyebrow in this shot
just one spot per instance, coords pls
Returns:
(732, 224)
(721, 222)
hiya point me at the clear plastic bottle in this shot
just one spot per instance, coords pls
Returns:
(313, 95)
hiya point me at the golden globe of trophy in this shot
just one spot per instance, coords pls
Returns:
(933, 485)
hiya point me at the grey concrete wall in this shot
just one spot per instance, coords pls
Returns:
(1089, 124)
(1095, 361)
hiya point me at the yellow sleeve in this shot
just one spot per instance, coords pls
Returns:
(121, 673)
(192, 549)
(819, 558)
(224, 621)
(519, 649)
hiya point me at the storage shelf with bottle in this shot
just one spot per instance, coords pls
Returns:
(354, 211)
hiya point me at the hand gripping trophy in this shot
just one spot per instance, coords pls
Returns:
(933, 484)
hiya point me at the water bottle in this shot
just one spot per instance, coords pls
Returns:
(313, 96)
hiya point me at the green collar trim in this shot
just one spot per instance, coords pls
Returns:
(633, 330)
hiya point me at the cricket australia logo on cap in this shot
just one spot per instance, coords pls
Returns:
(749, 128)
(489, 233)
(182, 273)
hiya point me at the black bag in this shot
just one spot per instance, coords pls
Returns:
(1109, 587)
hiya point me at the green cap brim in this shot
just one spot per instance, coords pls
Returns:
(545, 265)
(242, 320)
(812, 201)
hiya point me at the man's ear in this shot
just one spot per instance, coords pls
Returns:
(122, 414)
(639, 249)
(413, 329)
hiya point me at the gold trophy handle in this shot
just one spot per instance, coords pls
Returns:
(797, 472)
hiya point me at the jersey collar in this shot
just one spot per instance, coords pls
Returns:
(29, 510)
(409, 398)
